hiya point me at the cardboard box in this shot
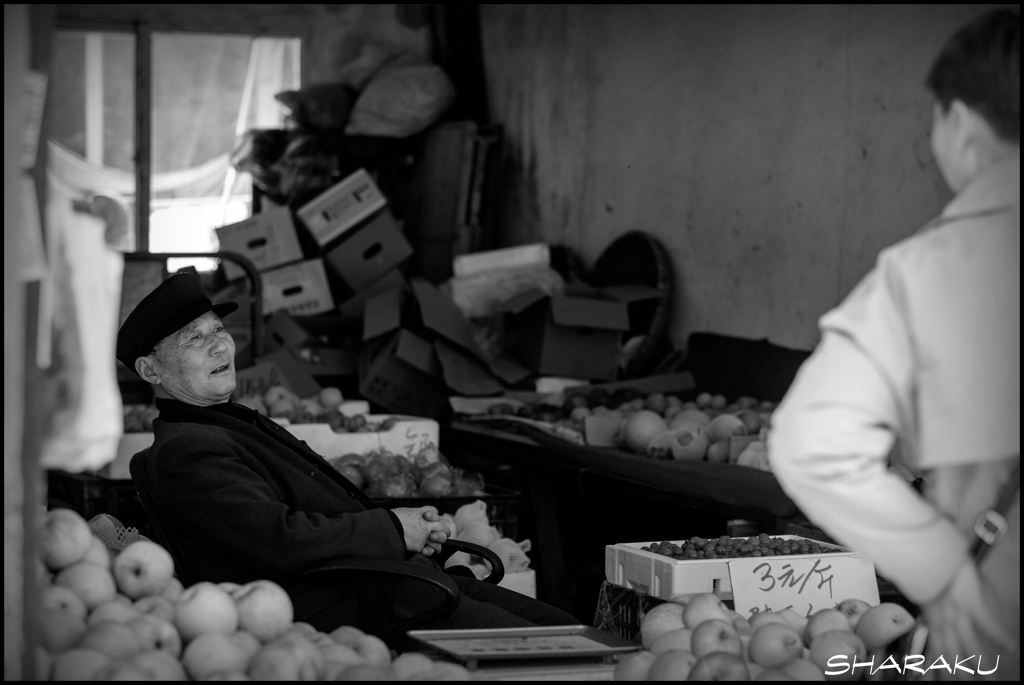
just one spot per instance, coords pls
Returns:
(369, 252)
(404, 377)
(572, 336)
(341, 207)
(298, 289)
(267, 240)
(407, 437)
(524, 582)
(281, 330)
(328, 361)
(277, 368)
(352, 310)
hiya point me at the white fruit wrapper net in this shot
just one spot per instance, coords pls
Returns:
(113, 534)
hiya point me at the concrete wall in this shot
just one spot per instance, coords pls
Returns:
(773, 150)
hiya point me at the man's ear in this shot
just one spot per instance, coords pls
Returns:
(972, 135)
(146, 367)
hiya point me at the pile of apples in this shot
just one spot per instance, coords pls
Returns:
(705, 640)
(389, 476)
(280, 402)
(130, 619)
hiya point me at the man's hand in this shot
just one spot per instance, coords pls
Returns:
(424, 530)
(961, 621)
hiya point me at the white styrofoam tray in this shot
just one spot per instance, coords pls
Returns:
(407, 437)
(649, 573)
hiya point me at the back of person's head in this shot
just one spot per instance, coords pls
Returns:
(980, 65)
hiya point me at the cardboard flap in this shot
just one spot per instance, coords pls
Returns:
(277, 368)
(632, 292)
(382, 314)
(441, 316)
(464, 374)
(587, 313)
(524, 300)
(417, 352)
(577, 289)
(508, 369)
(284, 331)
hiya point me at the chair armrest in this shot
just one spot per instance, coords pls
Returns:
(402, 569)
(452, 546)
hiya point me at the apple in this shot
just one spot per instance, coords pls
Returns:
(173, 590)
(60, 630)
(65, 538)
(881, 625)
(802, 669)
(742, 626)
(302, 628)
(365, 672)
(704, 608)
(92, 583)
(229, 587)
(754, 670)
(212, 653)
(143, 568)
(446, 671)
(228, 675)
(98, 553)
(156, 605)
(853, 609)
(719, 666)
(114, 639)
(205, 608)
(825, 621)
(291, 657)
(264, 609)
(773, 645)
(78, 664)
(373, 650)
(719, 451)
(406, 666)
(661, 619)
(336, 657)
(159, 665)
(124, 599)
(763, 618)
(347, 635)
(63, 599)
(121, 670)
(834, 642)
(112, 611)
(634, 666)
(674, 639)
(798, 621)
(771, 675)
(716, 635)
(674, 665)
(156, 634)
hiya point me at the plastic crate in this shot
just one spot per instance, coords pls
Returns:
(620, 611)
(503, 507)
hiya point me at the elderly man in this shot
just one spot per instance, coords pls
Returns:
(246, 500)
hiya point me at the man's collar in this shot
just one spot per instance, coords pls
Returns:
(998, 187)
(171, 407)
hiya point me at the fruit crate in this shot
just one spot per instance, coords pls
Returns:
(626, 565)
(503, 507)
(620, 611)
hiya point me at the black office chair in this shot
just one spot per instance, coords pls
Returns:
(386, 628)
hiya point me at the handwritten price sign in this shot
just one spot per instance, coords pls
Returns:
(803, 583)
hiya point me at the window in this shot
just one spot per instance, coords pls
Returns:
(206, 90)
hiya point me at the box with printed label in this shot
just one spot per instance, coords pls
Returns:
(278, 368)
(298, 289)
(341, 207)
(267, 240)
(407, 436)
(369, 252)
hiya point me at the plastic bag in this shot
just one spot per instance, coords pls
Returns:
(470, 513)
(323, 107)
(401, 100)
(512, 554)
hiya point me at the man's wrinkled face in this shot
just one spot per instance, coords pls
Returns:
(196, 365)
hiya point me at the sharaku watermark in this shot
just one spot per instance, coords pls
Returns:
(913, 663)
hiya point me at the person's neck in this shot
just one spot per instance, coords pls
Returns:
(161, 393)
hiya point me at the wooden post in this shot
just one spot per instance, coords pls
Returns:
(143, 137)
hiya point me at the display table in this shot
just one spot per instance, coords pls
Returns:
(724, 490)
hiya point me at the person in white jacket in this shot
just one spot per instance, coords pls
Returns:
(924, 355)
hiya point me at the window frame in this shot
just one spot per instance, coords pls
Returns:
(141, 21)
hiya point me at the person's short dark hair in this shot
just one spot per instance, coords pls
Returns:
(980, 65)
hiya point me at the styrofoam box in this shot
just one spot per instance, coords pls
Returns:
(407, 437)
(524, 582)
(132, 443)
(626, 565)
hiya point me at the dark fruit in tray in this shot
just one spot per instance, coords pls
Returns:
(725, 547)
